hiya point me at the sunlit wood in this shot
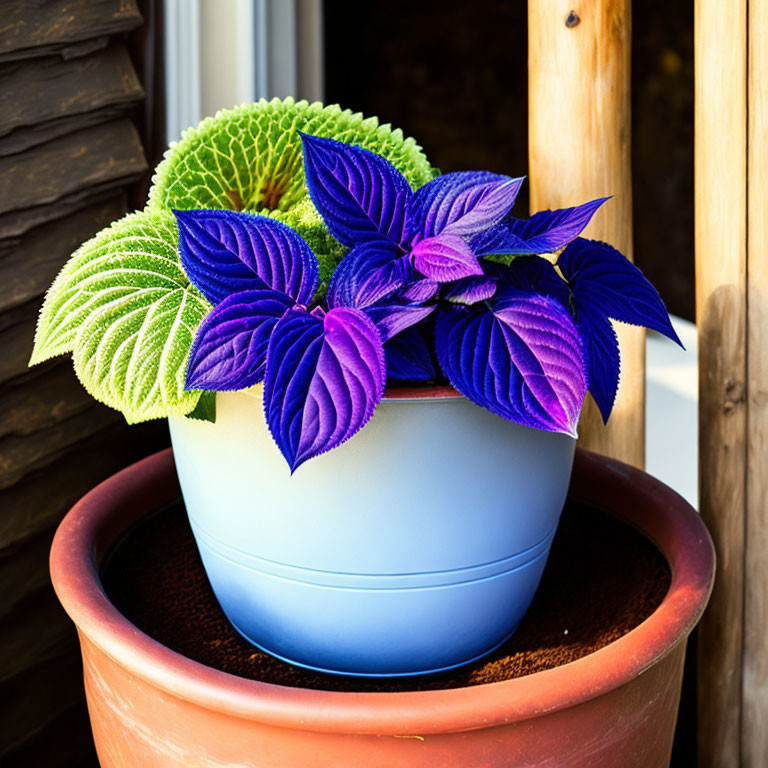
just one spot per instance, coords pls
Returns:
(754, 724)
(579, 149)
(721, 285)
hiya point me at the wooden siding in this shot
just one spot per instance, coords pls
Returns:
(70, 155)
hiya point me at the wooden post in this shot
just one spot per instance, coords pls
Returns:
(721, 282)
(579, 149)
(754, 723)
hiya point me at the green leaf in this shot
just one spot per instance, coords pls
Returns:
(125, 309)
(249, 158)
(205, 410)
(329, 251)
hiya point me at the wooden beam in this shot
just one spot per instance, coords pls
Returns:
(721, 283)
(579, 149)
(754, 724)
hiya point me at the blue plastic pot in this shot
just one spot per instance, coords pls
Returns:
(414, 548)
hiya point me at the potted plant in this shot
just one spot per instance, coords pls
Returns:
(300, 272)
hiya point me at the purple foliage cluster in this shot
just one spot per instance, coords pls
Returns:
(524, 339)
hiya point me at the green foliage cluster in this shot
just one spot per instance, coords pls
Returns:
(122, 304)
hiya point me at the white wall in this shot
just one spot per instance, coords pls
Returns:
(220, 53)
(671, 412)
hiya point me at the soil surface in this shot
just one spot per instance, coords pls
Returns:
(602, 580)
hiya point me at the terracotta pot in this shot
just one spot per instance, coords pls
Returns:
(154, 708)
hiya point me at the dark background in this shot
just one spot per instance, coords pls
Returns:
(81, 126)
(454, 76)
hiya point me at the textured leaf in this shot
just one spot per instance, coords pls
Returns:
(360, 195)
(408, 357)
(530, 274)
(325, 376)
(127, 311)
(421, 290)
(522, 360)
(544, 232)
(393, 317)
(230, 349)
(471, 290)
(445, 258)
(368, 273)
(598, 338)
(305, 220)
(225, 252)
(462, 203)
(607, 282)
(601, 353)
(249, 158)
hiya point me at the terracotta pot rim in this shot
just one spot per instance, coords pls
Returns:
(102, 515)
(427, 392)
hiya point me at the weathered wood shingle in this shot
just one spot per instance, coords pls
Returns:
(31, 28)
(69, 155)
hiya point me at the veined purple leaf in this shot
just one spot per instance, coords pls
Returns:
(601, 353)
(324, 378)
(603, 280)
(530, 274)
(544, 232)
(421, 290)
(230, 348)
(393, 317)
(360, 195)
(225, 252)
(471, 290)
(408, 357)
(462, 203)
(598, 338)
(522, 360)
(368, 273)
(445, 258)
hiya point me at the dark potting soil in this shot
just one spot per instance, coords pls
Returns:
(602, 579)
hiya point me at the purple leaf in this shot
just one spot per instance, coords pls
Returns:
(445, 258)
(522, 360)
(368, 273)
(225, 252)
(530, 274)
(324, 378)
(462, 203)
(471, 290)
(395, 316)
(230, 348)
(421, 290)
(598, 339)
(601, 353)
(544, 232)
(603, 280)
(360, 195)
(408, 357)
